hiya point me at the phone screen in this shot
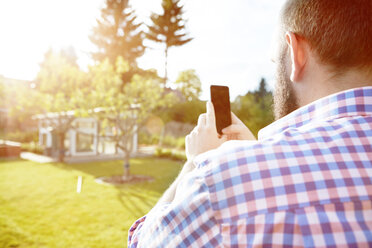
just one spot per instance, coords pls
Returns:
(221, 101)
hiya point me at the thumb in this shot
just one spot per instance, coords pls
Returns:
(234, 128)
(235, 119)
(223, 138)
(211, 119)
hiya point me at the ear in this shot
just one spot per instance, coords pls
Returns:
(298, 55)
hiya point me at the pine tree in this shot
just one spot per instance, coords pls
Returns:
(254, 108)
(168, 28)
(262, 91)
(118, 34)
(69, 54)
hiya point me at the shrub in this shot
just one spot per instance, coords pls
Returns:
(171, 154)
(173, 142)
(168, 140)
(176, 155)
(148, 139)
(32, 147)
(163, 153)
(23, 137)
(181, 142)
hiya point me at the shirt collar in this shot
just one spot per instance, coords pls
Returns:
(351, 102)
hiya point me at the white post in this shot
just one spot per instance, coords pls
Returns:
(79, 183)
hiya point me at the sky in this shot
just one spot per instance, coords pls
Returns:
(232, 40)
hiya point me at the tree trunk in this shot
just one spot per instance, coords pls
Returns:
(61, 154)
(166, 66)
(126, 165)
(161, 137)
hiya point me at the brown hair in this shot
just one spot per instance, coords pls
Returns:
(339, 31)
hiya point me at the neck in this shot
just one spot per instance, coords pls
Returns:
(322, 84)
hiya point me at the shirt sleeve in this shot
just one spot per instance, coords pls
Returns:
(187, 221)
(135, 229)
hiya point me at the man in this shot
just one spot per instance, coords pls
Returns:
(307, 181)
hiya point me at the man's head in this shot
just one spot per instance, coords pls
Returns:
(320, 42)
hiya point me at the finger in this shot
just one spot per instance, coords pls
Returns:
(194, 131)
(211, 120)
(202, 120)
(234, 128)
(223, 138)
(187, 144)
(235, 119)
(232, 136)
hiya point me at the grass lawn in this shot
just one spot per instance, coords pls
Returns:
(39, 206)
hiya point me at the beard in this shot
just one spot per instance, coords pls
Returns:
(285, 99)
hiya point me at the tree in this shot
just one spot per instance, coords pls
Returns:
(187, 106)
(118, 34)
(262, 91)
(2, 91)
(3, 103)
(186, 111)
(16, 104)
(255, 108)
(124, 108)
(189, 84)
(69, 54)
(61, 87)
(168, 28)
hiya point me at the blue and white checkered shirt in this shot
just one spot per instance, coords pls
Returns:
(307, 182)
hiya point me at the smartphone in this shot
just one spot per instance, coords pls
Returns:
(221, 102)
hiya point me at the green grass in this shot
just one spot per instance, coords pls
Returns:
(39, 206)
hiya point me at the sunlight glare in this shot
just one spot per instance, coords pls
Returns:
(28, 31)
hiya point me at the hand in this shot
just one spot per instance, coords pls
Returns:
(204, 136)
(237, 130)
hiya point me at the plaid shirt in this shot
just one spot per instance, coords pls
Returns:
(307, 182)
